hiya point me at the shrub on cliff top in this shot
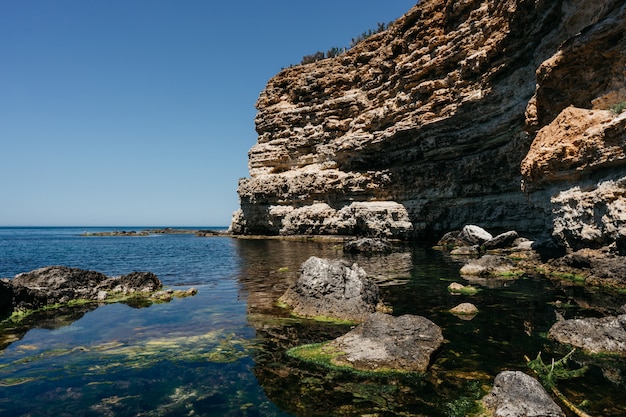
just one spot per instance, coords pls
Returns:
(617, 108)
(336, 51)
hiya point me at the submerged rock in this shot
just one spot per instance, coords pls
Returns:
(330, 288)
(594, 335)
(516, 394)
(385, 342)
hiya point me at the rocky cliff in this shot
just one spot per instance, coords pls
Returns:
(423, 128)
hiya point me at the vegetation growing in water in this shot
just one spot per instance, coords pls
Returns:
(557, 370)
(321, 354)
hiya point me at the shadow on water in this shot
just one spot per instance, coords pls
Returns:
(513, 320)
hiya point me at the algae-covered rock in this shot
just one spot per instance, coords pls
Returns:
(385, 342)
(60, 285)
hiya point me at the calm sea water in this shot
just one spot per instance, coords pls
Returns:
(222, 352)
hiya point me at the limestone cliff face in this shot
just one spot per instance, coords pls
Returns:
(422, 128)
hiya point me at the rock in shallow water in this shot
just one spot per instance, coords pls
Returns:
(516, 394)
(594, 335)
(490, 265)
(332, 288)
(403, 343)
(61, 284)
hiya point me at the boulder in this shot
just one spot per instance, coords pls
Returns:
(594, 335)
(61, 284)
(474, 235)
(385, 342)
(332, 288)
(489, 265)
(503, 240)
(516, 394)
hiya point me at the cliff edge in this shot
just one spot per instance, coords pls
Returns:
(457, 114)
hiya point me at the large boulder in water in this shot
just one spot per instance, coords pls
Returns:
(332, 288)
(61, 284)
(516, 394)
(385, 342)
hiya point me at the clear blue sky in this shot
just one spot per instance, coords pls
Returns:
(141, 112)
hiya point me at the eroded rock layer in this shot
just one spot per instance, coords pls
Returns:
(422, 128)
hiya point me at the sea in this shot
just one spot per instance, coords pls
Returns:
(225, 351)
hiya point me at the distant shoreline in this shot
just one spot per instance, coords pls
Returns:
(158, 231)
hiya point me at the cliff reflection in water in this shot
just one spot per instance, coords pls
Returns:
(270, 266)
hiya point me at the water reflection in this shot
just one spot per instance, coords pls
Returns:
(514, 317)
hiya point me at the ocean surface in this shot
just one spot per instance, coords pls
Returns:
(222, 352)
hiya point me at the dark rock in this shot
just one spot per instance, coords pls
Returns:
(594, 335)
(474, 235)
(138, 282)
(55, 284)
(332, 289)
(573, 260)
(387, 342)
(451, 239)
(367, 245)
(6, 298)
(60, 284)
(503, 240)
(516, 394)
(549, 249)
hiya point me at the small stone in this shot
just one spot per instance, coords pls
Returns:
(465, 309)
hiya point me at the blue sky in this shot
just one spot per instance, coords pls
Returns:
(141, 112)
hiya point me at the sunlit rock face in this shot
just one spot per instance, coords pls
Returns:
(431, 119)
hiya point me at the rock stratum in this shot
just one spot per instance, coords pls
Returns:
(489, 112)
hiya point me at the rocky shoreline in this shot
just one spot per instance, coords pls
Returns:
(509, 117)
(54, 288)
(160, 231)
